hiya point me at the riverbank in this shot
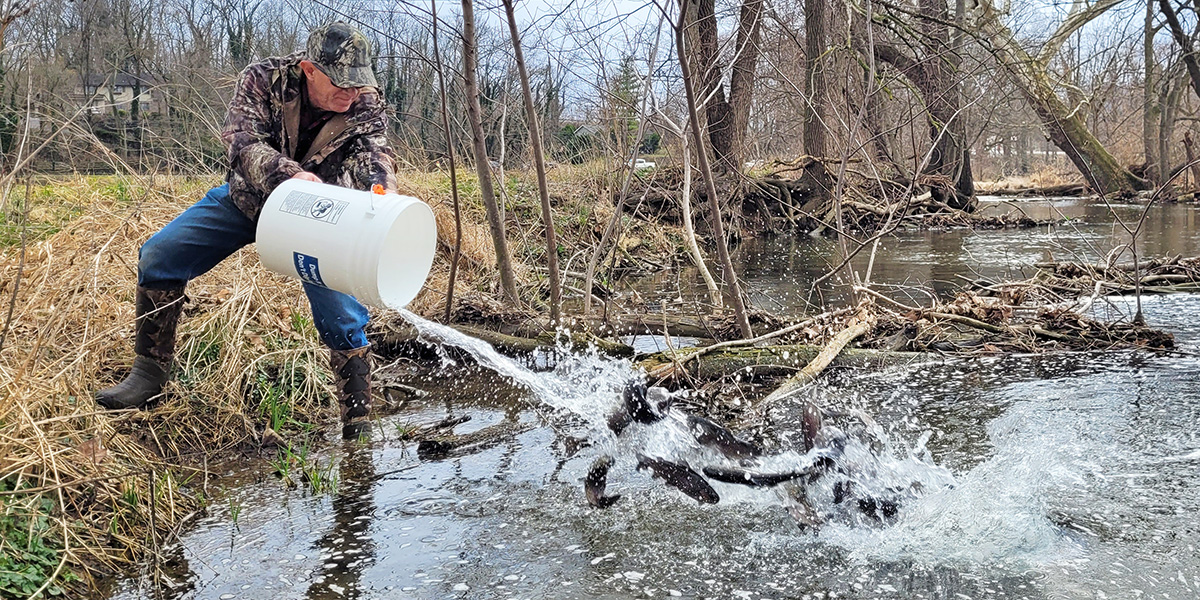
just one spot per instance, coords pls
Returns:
(104, 490)
(101, 490)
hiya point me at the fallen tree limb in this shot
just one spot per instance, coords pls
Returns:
(771, 361)
(822, 359)
(968, 321)
(682, 357)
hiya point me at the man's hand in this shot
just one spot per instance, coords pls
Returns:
(305, 175)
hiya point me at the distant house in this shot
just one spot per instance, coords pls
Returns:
(590, 130)
(102, 91)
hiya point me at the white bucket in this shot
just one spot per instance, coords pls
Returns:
(375, 247)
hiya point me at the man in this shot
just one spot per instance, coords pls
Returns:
(315, 116)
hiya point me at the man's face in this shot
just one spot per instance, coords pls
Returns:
(324, 94)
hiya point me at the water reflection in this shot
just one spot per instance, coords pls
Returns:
(779, 271)
(346, 548)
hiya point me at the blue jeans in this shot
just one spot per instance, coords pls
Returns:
(210, 231)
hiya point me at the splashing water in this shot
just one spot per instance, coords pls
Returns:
(585, 384)
(997, 513)
(589, 385)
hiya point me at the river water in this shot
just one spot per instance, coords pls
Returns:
(1069, 476)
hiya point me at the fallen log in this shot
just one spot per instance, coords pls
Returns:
(853, 331)
(396, 334)
(1066, 189)
(450, 445)
(682, 357)
(768, 361)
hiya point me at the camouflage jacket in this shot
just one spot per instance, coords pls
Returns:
(261, 132)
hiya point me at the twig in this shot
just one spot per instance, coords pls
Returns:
(12, 304)
(885, 299)
(437, 54)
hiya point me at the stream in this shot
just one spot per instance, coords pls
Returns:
(1047, 477)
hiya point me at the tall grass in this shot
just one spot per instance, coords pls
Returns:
(91, 482)
(99, 489)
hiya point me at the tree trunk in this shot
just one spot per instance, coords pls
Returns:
(508, 280)
(1151, 107)
(934, 79)
(728, 119)
(1182, 38)
(1066, 128)
(1172, 92)
(539, 163)
(733, 289)
(741, 83)
(713, 102)
(934, 72)
(815, 135)
(457, 253)
(685, 207)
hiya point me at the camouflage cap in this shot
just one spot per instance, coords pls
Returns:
(343, 53)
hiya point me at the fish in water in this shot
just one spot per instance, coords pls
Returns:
(636, 407)
(596, 481)
(681, 477)
(822, 442)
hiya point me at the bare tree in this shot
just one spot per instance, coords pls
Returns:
(1064, 125)
(815, 138)
(934, 72)
(727, 118)
(457, 253)
(733, 290)
(1184, 40)
(10, 11)
(1150, 107)
(508, 280)
(539, 163)
(685, 207)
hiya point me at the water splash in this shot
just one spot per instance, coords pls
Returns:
(590, 385)
(585, 384)
(996, 513)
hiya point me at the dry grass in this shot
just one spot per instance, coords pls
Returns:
(248, 359)
(101, 489)
(1045, 176)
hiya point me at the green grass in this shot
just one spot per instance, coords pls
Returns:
(294, 466)
(406, 429)
(235, 511)
(278, 387)
(30, 549)
(48, 211)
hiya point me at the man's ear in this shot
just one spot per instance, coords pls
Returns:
(307, 67)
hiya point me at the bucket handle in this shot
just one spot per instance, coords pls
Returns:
(376, 190)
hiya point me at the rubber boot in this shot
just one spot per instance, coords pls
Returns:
(352, 373)
(154, 346)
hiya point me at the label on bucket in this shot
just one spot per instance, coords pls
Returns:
(308, 269)
(313, 207)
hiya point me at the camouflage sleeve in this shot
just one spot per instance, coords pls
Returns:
(370, 159)
(253, 140)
